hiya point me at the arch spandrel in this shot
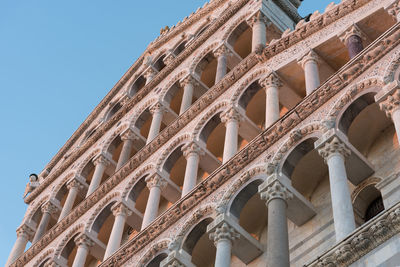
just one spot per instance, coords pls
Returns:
(232, 26)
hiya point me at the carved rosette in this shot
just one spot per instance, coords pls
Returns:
(231, 114)
(49, 207)
(129, 134)
(391, 103)
(188, 80)
(156, 181)
(344, 254)
(258, 17)
(157, 108)
(362, 243)
(83, 240)
(271, 80)
(120, 209)
(101, 159)
(192, 148)
(352, 31)
(380, 231)
(25, 231)
(333, 147)
(310, 56)
(224, 232)
(275, 190)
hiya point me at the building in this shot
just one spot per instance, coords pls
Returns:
(243, 136)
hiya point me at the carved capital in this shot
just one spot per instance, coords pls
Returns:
(101, 159)
(75, 183)
(51, 263)
(49, 207)
(394, 10)
(274, 189)
(188, 80)
(156, 180)
(389, 98)
(258, 17)
(271, 80)
(169, 58)
(192, 148)
(332, 147)
(231, 114)
(84, 240)
(149, 73)
(25, 231)
(157, 108)
(120, 209)
(354, 30)
(222, 50)
(224, 232)
(310, 56)
(129, 134)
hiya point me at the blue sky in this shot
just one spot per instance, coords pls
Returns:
(58, 59)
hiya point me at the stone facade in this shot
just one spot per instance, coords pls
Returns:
(243, 136)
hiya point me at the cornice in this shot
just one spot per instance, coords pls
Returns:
(102, 129)
(362, 241)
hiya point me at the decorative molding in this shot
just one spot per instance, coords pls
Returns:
(114, 197)
(70, 234)
(148, 169)
(153, 251)
(182, 139)
(216, 108)
(45, 256)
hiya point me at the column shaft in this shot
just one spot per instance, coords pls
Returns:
(192, 165)
(221, 67)
(272, 106)
(69, 202)
(96, 179)
(354, 45)
(125, 153)
(396, 122)
(311, 75)
(155, 125)
(259, 37)
(187, 97)
(153, 202)
(44, 222)
(231, 139)
(81, 255)
(343, 215)
(116, 235)
(277, 238)
(223, 255)
(18, 248)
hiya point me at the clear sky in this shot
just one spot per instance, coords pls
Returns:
(58, 59)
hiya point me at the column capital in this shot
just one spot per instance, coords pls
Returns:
(49, 207)
(353, 30)
(270, 80)
(156, 180)
(25, 231)
(52, 263)
(169, 58)
(149, 73)
(333, 146)
(222, 50)
(101, 159)
(309, 56)
(258, 17)
(192, 148)
(76, 182)
(231, 114)
(394, 10)
(223, 232)
(120, 208)
(156, 108)
(273, 188)
(129, 134)
(83, 240)
(389, 98)
(188, 80)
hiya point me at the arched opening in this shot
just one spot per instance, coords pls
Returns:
(174, 97)
(198, 245)
(62, 195)
(213, 135)
(240, 39)
(175, 166)
(157, 260)
(137, 85)
(68, 254)
(112, 111)
(367, 204)
(159, 64)
(201, 30)
(88, 134)
(115, 148)
(103, 224)
(179, 49)
(88, 172)
(248, 205)
(207, 70)
(143, 123)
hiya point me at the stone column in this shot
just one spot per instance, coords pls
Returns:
(223, 237)
(231, 118)
(352, 38)
(389, 102)
(192, 153)
(258, 23)
(276, 196)
(221, 53)
(155, 183)
(100, 162)
(120, 212)
(84, 243)
(127, 137)
(47, 210)
(334, 153)
(309, 63)
(149, 74)
(24, 233)
(157, 111)
(271, 85)
(188, 87)
(73, 186)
